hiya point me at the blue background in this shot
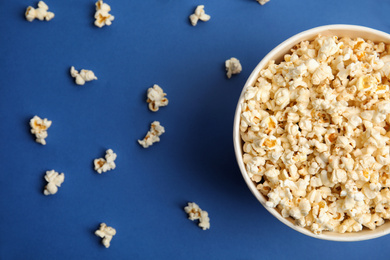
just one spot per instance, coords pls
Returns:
(150, 42)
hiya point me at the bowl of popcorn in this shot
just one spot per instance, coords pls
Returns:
(312, 132)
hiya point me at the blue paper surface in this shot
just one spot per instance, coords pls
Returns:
(149, 42)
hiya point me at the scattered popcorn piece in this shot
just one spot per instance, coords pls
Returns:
(262, 2)
(233, 66)
(54, 180)
(107, 164)
(199, 15)
(156, 98)
(315, 131)
(153, 135)
(102, 16)
(83, 76)
(106, 233)
(41, 13)
(39, 128)
(194, 213)
(204, 221)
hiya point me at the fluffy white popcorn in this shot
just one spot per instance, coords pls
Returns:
(328, 48)
(297, 72)
(83, 76)
(366, 82)
(54, 180)
(106, 233)
(262, 2)
(322, 73)
(315, 131)
(282, 97)
(39, 128)
(107, 164)
(199, 15)
(156, 98)
(40, 13)
(204, 221)
(312, 65)
(153, 135)
(102, 15)
(233, 66)
(194, 213)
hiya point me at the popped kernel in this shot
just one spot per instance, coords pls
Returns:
(262, 2)
(107, 163)
(194, 213)
(54, 180)
(315, 131)
(83, 76)
(199, 14)
(102, 15)
(156, 98)
(233, 66)
(39, 128)
(106, 233)
(153, 135)
(41, 13)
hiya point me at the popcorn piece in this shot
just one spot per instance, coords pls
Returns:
(156, 98)
(83, 76)
(199, 15)
(194, 213)
(153, 135)
(39, 128)
(107, 164)
(54, 180)
(262, 2)
(204, 221)
(366, 82)
(106, 233)
(233, 66)
(41, 13)
(322, 73)
(102, 16)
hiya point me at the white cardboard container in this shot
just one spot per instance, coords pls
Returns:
(277, 54)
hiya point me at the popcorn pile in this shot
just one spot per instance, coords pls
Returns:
(108, 164)
(153, 135)
(316, 134)
(194, 213)
(41, 13)
(156, 98)
(102, 16)
(39, 127)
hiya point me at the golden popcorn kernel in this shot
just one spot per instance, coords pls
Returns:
(101, 19)
(332, 137)
(366, 82)
(360, 55)
(100, 163)
(269, 143)
(195, 212)
(322, 204)
(99, 4)
(366, 173)
(382, 88)
(41, 127)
